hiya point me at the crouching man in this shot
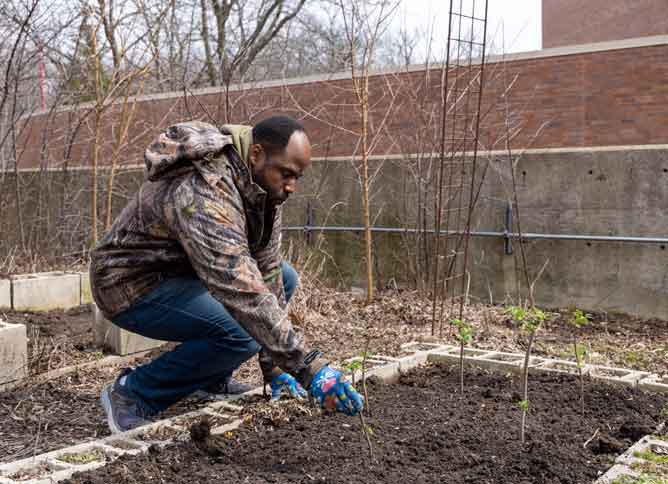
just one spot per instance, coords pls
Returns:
(195, 258)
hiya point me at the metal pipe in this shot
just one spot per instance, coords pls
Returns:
(484, 233)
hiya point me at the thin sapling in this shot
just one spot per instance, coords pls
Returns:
(579, 320)
(529, 321)
(464, 335)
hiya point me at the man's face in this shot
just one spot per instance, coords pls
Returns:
(278, 173)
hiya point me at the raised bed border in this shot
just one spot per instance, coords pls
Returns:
(56, 290)
(386, 368)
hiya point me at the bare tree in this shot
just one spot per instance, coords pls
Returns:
(364, 24)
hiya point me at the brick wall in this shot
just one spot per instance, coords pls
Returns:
(602, 98)
(570, 22)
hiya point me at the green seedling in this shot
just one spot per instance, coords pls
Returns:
(523, 405)
(579, 320)
(529, 321)
(464, 335)
(352, 367)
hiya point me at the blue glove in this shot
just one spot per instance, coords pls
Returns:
(333, 392)
(285, 382)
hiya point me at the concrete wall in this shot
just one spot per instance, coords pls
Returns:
(619, 192)
(569, 22)
(611, 191)
(596, 192)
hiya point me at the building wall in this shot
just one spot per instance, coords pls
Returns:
(608, 95)
(570, 22)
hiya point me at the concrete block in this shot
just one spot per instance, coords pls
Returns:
(118, 340)
(503, 361)
(388, 373)
(562, 366)
(32, 470)
(46, 290)
(410, 362)
(654, 383)
(620, 376)
(5, 294)
(85, 290)
(413, 346)
(13, 352)
(615, 473)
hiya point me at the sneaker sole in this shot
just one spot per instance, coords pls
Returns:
(105, 400)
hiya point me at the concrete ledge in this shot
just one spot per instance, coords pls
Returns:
(45, 291)
(5, 294)
(119, 341)
(13, 352)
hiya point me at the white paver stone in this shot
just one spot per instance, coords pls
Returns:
(46, 290)
(118, 340)
(5, 294)
(13, 352)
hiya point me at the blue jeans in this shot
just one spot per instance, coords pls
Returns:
(213, 344)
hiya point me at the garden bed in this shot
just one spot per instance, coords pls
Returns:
(38, 417)
(423, 431)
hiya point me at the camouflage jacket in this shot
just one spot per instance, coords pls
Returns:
(201, 214)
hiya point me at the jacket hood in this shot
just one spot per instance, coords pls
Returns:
(174, 150)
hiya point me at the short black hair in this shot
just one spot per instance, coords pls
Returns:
(274, 133)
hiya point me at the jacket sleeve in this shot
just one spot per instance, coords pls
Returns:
(210, 224)
(269, 263)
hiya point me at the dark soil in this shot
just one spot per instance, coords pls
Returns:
(57, 338)
(423, 431)
(61, 412)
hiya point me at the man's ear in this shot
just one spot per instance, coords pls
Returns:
(256, 155)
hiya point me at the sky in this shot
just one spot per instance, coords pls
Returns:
(513, 24)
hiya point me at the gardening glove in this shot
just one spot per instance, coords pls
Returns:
(332, 392)
(286, 383)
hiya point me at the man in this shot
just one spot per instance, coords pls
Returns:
(194, 258)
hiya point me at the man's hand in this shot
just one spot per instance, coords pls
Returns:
(332, 392)
(286, 383)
